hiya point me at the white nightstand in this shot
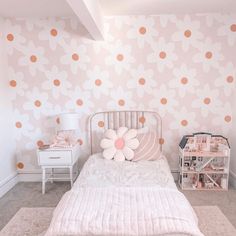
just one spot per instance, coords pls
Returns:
(57, 158)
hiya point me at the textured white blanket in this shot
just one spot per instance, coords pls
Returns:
(123, 211)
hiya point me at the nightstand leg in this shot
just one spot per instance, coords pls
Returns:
(52, 175)
(71, 176)
(43, 180)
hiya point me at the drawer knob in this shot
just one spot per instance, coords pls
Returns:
(54, 157)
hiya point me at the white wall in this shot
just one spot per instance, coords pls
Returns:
(233, 146)
(8, 174)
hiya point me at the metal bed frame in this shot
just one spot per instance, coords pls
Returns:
(130, 119)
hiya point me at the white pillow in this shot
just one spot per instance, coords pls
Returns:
(119, 144)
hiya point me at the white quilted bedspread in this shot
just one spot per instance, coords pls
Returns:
(98, 171)
(128, 199)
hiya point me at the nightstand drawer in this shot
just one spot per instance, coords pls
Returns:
(55, 157)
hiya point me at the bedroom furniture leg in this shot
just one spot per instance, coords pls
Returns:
(43, 180)
(52, 170)
(71, 176)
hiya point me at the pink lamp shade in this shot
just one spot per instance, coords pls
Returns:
(68, 121)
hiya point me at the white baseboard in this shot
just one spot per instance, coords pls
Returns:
(232, 179)
(36, 175)
(8, 183)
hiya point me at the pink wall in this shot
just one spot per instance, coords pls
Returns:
(180, 66)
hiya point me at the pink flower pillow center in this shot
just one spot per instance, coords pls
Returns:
(120, 143)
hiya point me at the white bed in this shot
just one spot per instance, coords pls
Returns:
(124, 198)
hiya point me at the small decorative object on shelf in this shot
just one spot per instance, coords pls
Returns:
(204, 162)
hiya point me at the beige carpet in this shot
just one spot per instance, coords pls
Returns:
(34, 221)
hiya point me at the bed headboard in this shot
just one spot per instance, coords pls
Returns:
(100, 121)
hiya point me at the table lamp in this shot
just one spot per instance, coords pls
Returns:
(66, 132)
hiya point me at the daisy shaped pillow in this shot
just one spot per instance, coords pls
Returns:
(119, 144)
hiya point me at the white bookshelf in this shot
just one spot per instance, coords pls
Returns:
(206, 169)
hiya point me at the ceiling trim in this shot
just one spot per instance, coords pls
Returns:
(90, 15)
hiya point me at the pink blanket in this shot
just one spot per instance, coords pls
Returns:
(124, 211)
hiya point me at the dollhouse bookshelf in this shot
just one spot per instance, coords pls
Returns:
(204, 162)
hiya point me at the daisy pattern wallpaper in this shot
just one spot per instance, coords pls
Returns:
(182, 67)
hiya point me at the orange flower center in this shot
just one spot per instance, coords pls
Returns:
(33, 58)
(207, 101)
(184, 122)
(37, 103)
(20, 165)
(98, 82)
(164, 101)
(120, 57)
(56, 82)
(121, 102)
(142, 81)
(13, 83)
(53, 32)
(230, 79)
(142, 119)
(75, 56)
(187, 33)
(18, 125)
(142, 30)
(184, 80)
(208, 55)
(228, 119)
(161, 141)
(233, 27)
(162, 55)
(101, 124)
(40, 143)
(58, 120)
(79, 102)
(10, 37)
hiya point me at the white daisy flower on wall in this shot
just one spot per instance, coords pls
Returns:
(188, 32)
(142, 81)
(184, 121)
(75, 56)
(226, 80)
(163, 55)
(212, 18)
(209, 55)
(98, 82)
(143, 30)
(224, 117)
(53, 31)
(165, 19)
(56, 82)
(21, 124)
(228, 29)
(37, 103)
(120, 99)
(120, 57)
(38, 138)
(185, 80)
(12, 36)
(208, 100)
(33, 58)
(164, 100)
(80, 101)
(120, 21)
(17, 83)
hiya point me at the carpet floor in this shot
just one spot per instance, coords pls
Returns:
(35, 221)
(29, 195)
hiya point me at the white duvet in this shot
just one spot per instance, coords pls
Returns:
(124, 198)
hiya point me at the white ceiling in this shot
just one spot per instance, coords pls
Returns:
(42, 8)
(156, 7)
(34, 8)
